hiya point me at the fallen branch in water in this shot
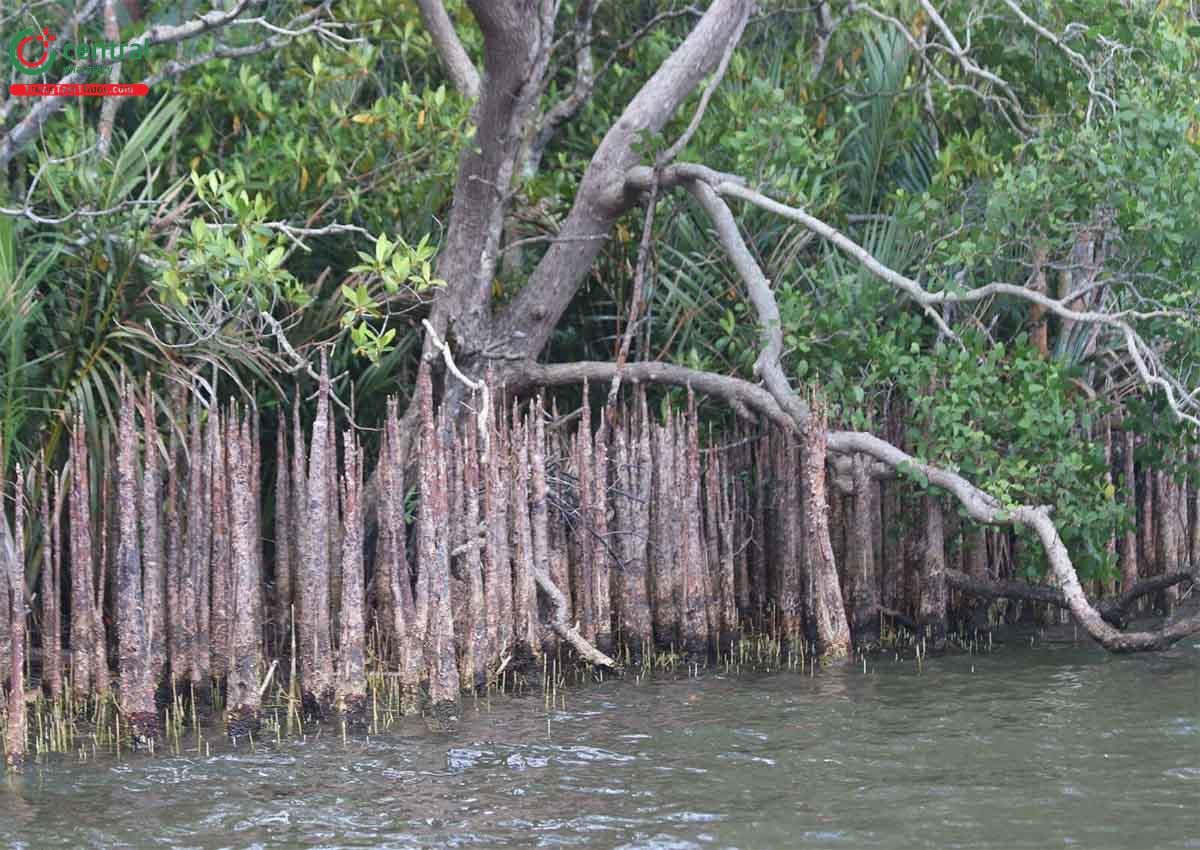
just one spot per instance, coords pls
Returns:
(1114, 610)
(563, 629)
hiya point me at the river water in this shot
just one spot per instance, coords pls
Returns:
(1042, 746)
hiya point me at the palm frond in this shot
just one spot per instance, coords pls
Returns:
(867, 148)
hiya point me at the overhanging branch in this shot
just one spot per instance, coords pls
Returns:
(979, 505)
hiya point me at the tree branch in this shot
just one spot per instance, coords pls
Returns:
(1184, 403)
(586, 78)
(980, 505)
(747, 400)
(525, 326)
(1113, 610)
(562, 627)
(454, 56)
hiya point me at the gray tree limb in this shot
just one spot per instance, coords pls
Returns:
(979, 505)
(454, 56)
(523, 329)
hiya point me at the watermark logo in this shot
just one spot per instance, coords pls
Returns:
(36, 52)
(28, 58)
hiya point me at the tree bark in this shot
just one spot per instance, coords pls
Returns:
(862, 593)
(601, 580)
(445, 40)
(12, 597)
(284, 538)
(197, 537)
(932, 613)
(435, 564)
(633, 478)
(316, 656)
(482, 619)
(177, 641)
(153, 554)
(829, 613)
(664, 559)
(524, 587)
(221, 453)
(51, 590)
(137, 686)
(507, 605)
(694, 619)
(83, 592)
(1129, 541)
(243, 699)
(351, 674)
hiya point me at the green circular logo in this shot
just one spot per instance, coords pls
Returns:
(30, 51)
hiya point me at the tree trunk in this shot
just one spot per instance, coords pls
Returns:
(582, 578)
(862, 590)
(83, 590)
(153, 554)
(189, 569)
(5, 608)
(633, 481)
(760, 566)
(177, 639)
(825, 594)
(1194, 516)
(398, 609)
(284, 539)
(482, 619)
(790, 522)
(243, 698)
(316, 656)
(1147, 525)
(435, 563)
(1169, 540)
(509, 607)
(12, 599)
(694, 590)
(137, 686)
(932, 613)
(601, 577)
(664, 559)
(352, 681)
(1129, 541)
(525, 591)
(221, 452)
(51, 591)
(538, 506)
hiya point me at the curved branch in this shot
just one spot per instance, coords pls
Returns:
(459, 66)
(980, 506)
(564, 629)
(1113, 610)
(747, 399)
(1184, 404)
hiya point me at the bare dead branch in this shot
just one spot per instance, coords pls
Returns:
(481, 387)
(1094, 92)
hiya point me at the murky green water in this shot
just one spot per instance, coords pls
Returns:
(1031, 747)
